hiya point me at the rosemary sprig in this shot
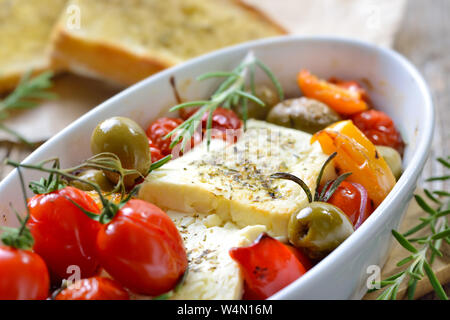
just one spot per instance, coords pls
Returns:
(58, 178)
(421, 258)
(328, 189)
(232, 92)
(25, 96)
(109, 207)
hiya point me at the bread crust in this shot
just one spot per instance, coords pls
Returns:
(103, 59)
(115, 63)
(261, 15)
(26, 28)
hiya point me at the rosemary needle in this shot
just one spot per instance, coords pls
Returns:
(421, 259)
(231, 92)
(25, 96)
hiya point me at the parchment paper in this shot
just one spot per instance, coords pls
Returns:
(372, 20)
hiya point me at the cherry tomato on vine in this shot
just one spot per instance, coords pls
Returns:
(353, 200)
(24, 275)
(379, 128)
(95, 288)
(268, 266)
(142, 249)
(64, 235)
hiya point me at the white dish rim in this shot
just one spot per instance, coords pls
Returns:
(346, 249)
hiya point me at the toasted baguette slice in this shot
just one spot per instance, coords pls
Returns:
(25, 29)
(125, 41)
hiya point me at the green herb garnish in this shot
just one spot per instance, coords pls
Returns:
(25, 96)
(421, 258)
(328, 189)
(232, 92)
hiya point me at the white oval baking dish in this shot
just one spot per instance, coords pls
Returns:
(395, 87)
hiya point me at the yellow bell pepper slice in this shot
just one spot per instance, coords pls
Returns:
(357, 154)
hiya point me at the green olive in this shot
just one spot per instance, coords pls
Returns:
(318, 228)
(304, 114)
(256, 111)
(92, 175)
(125, 138)
(392, 158)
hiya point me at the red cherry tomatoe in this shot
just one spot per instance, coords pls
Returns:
(142, 249)
(24, 275)
(160, 128)
(353, 200)
(64, 235)
(379, 128)
(95, 288)
(223, 119)
(137, 244)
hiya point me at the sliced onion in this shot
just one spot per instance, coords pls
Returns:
(364, 211)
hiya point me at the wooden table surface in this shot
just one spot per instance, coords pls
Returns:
(424, 38)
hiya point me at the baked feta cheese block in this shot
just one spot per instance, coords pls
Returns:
(212, 274)
(233, 180)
